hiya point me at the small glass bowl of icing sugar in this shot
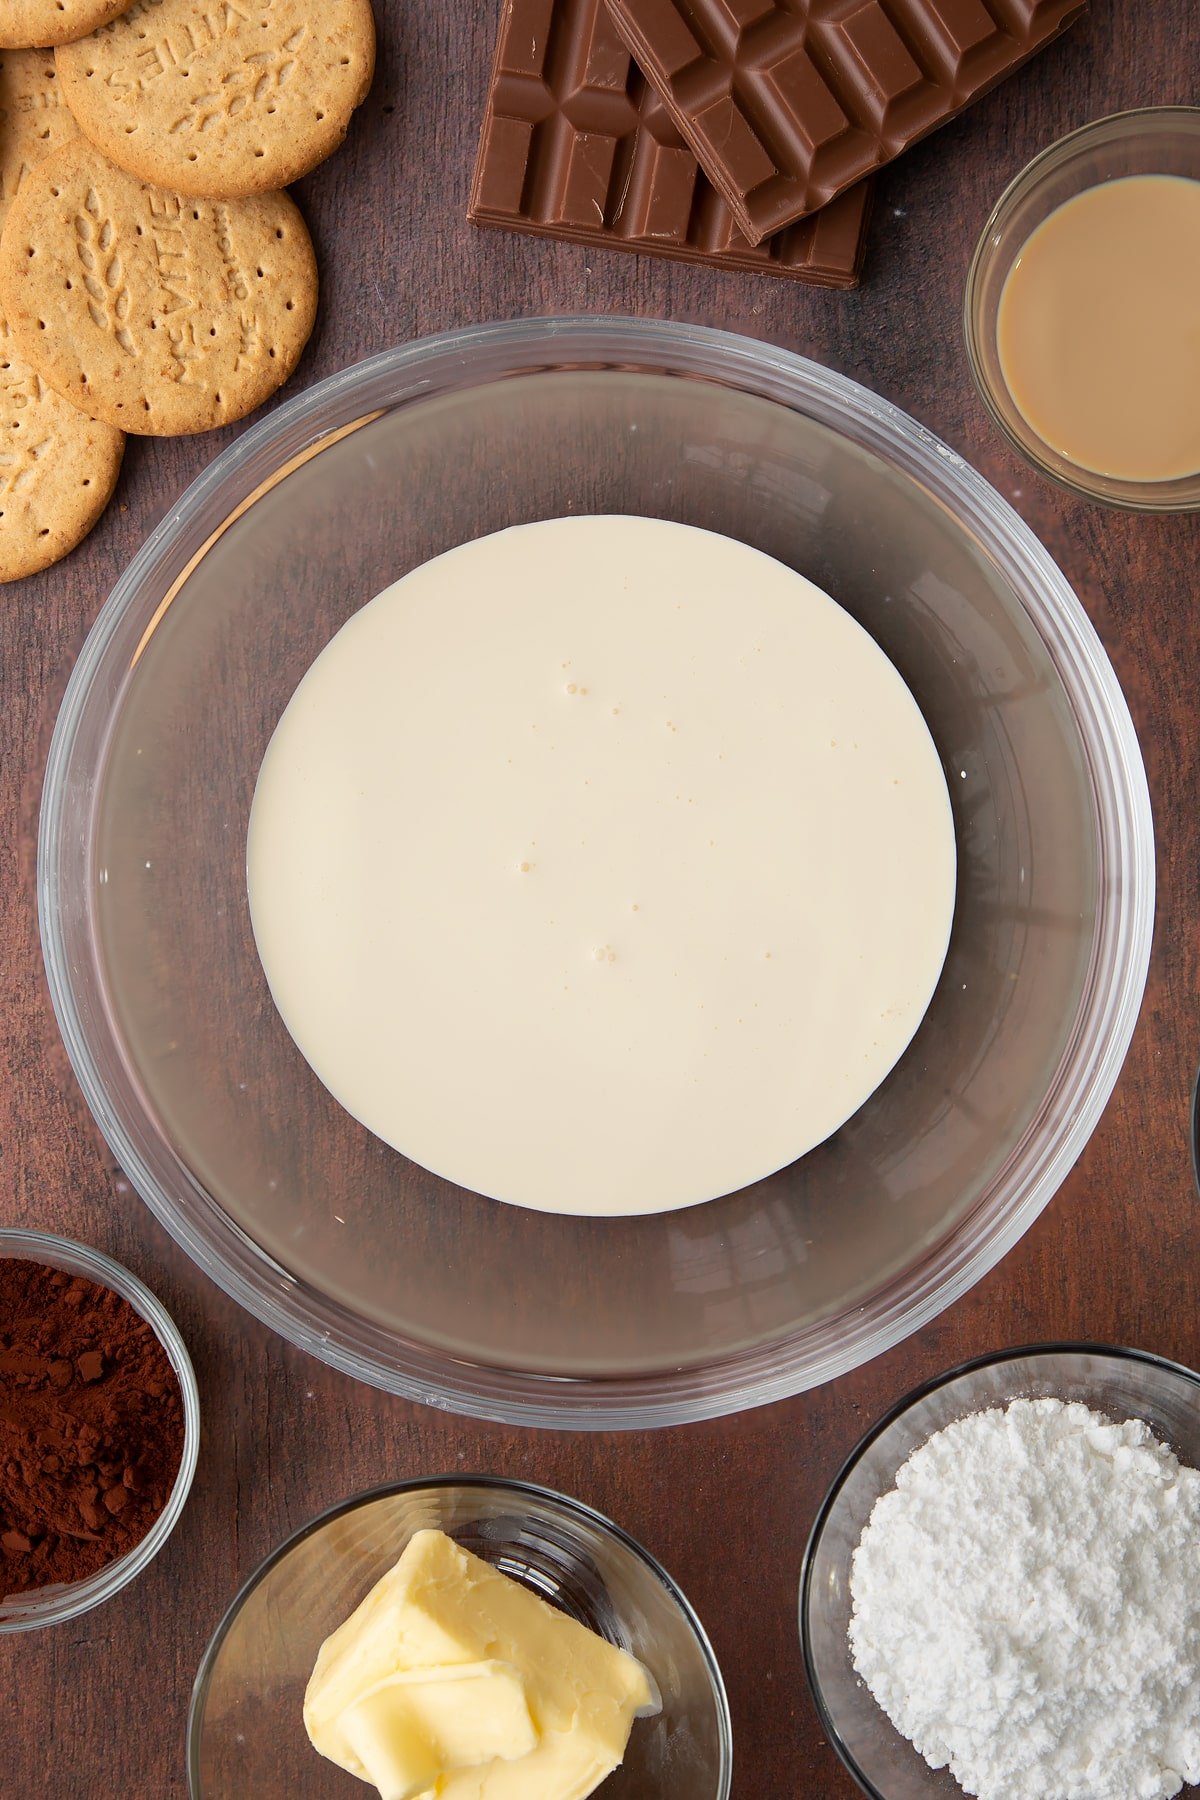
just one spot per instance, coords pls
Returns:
(1080, 311)
(1039, 1510)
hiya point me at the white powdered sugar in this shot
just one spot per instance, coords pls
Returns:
(1026, 1606)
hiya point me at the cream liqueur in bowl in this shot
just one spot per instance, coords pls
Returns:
(602, 865)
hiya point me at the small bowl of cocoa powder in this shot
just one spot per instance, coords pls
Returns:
(99, 1428)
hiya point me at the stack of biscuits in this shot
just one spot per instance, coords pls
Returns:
(154, 277)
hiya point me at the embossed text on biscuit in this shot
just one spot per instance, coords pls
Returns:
(178, 48)
(235, 276)
(170, 250)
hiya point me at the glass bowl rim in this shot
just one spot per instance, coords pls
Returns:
(55, 1604)
(972, 1366)
(577, 1510)
(466, 358)
(1024, 183)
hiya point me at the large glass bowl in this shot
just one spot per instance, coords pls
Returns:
(336, 1240)
(246, 1733)
(1122, 1384)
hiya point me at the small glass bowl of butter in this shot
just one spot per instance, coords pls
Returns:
(258, 1695)
(1079, 311)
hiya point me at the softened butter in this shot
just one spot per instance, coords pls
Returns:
(452, 1680)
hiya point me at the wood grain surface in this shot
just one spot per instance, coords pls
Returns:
(100, 1705)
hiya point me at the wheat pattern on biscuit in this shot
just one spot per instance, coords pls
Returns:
(57, 469)
(32, 24)
(152, 310)
(222, 97)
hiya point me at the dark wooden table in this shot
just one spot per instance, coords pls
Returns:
(99, 1706)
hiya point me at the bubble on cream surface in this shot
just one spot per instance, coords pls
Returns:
(602, 865)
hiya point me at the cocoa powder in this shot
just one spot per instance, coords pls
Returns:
(91, 1426)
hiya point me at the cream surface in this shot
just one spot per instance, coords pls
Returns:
(602, 865)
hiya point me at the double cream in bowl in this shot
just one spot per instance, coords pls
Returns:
(597, 807)
(358, 1251)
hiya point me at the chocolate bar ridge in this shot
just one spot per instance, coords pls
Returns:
(785, 103)
(577, 145)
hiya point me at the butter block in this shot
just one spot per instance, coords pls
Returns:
(453, 1675)
(407, 1730)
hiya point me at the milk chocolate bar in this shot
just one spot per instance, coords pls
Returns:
(787, 102)
(577, 145)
